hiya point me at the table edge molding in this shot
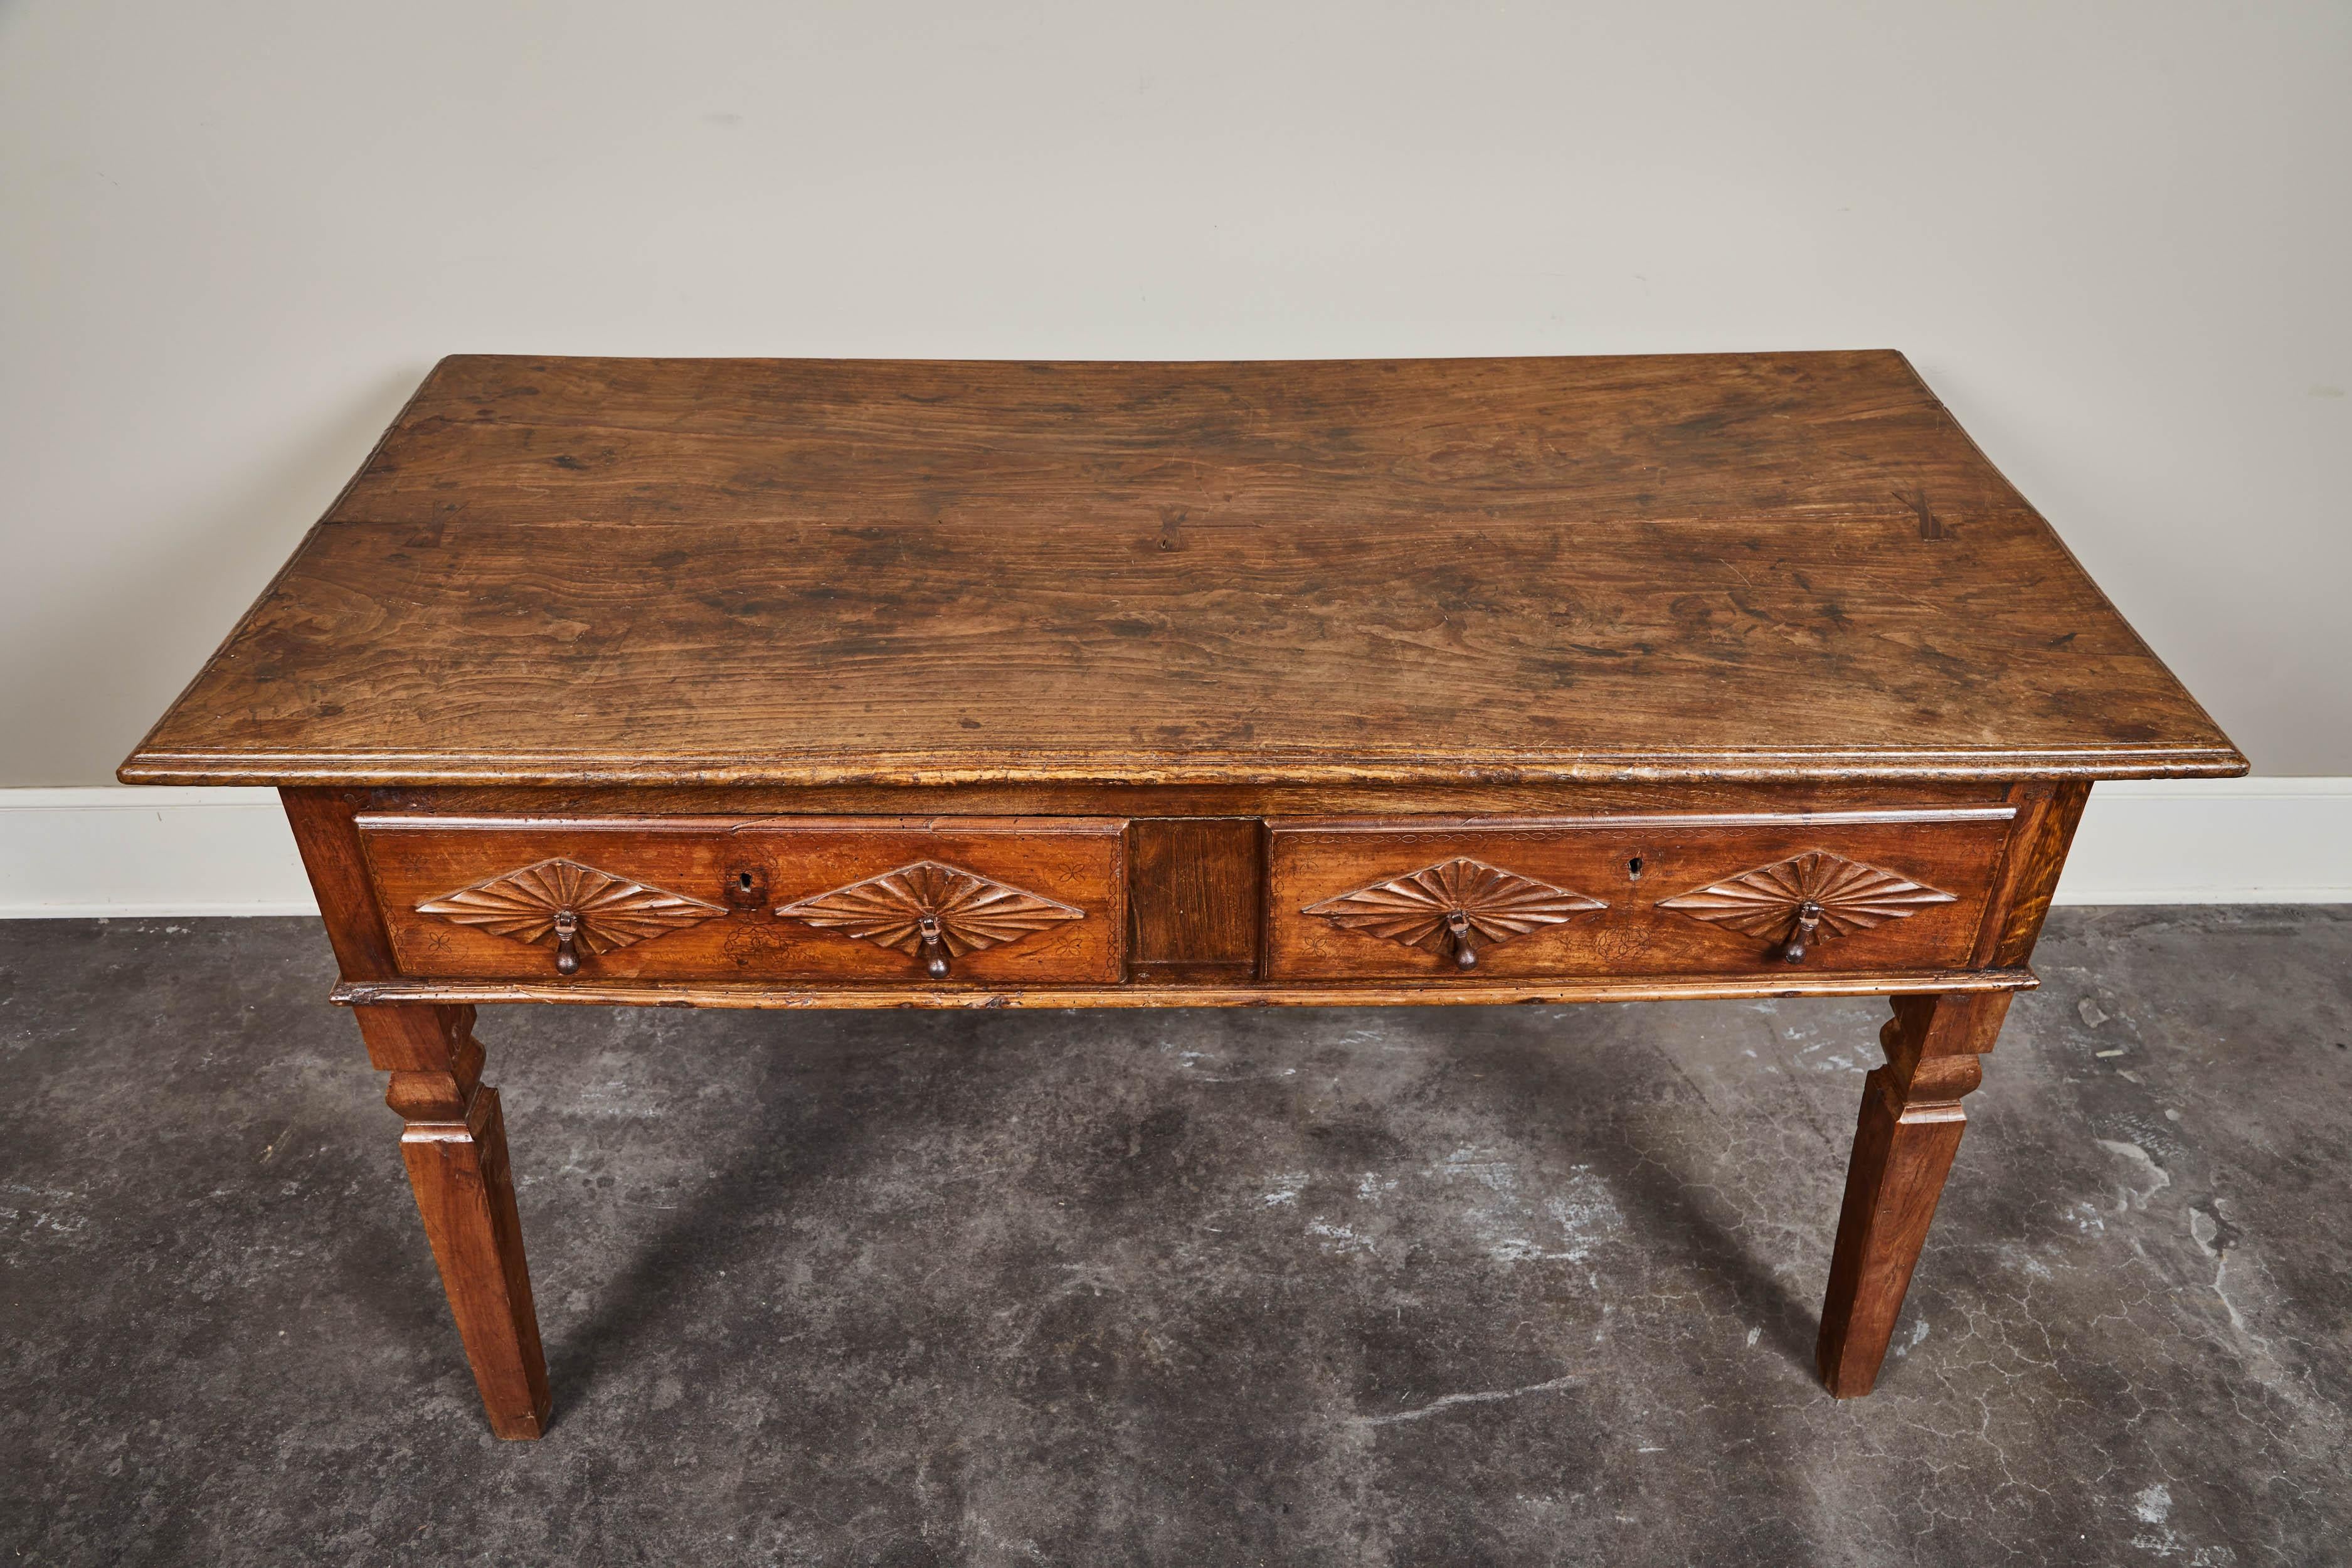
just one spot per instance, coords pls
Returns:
(426, 770)
(726, 995)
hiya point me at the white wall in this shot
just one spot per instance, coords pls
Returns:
(234, 234)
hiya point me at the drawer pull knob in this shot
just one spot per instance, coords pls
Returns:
(935, 947)
(1457, 926)
(567, 931)
(1808, 920)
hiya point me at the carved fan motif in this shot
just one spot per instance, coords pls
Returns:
(561, 902)
(1787, 901)
(933, 910)
(1457, 905)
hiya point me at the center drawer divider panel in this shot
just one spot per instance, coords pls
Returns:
(926, 900)
(1698, 894)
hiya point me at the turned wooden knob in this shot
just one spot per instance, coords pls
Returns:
(935, 948)
(1809, 920)
(1457, 926)
(567, 931)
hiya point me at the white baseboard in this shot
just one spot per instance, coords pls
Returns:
(117, 852)
(2213, 841)
(121, 852)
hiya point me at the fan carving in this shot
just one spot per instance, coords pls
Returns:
(932, 910)
(570, 905)
(1457, 906)
(1793, 902)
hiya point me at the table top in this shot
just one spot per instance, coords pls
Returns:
(597, 571)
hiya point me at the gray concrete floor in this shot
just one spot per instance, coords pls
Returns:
(1448, 1286)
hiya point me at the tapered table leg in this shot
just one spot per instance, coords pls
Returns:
(1910, 1129)
(454, 1144)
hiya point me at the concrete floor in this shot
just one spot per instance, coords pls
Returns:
(1450, 1285)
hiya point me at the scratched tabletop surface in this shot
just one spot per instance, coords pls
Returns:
(575, 571)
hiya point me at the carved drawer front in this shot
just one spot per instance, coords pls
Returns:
(852, 901)
(1670, 894)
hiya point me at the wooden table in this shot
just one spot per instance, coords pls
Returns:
(774, 683)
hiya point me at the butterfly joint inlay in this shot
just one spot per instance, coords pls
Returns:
(571, 906)
(1793, 902)
(932, 910)
(1459, 905)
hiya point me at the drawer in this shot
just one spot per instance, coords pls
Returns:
(863, 900)
(1699, 895)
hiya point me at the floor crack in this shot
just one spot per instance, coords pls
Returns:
(1484, 1396)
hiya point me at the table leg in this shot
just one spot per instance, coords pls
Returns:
(1910, 1129)
(454, 1144)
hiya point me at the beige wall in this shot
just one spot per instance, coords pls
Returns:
(232, 236)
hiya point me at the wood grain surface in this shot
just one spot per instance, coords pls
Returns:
(1777, 567)
(1194, 891)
